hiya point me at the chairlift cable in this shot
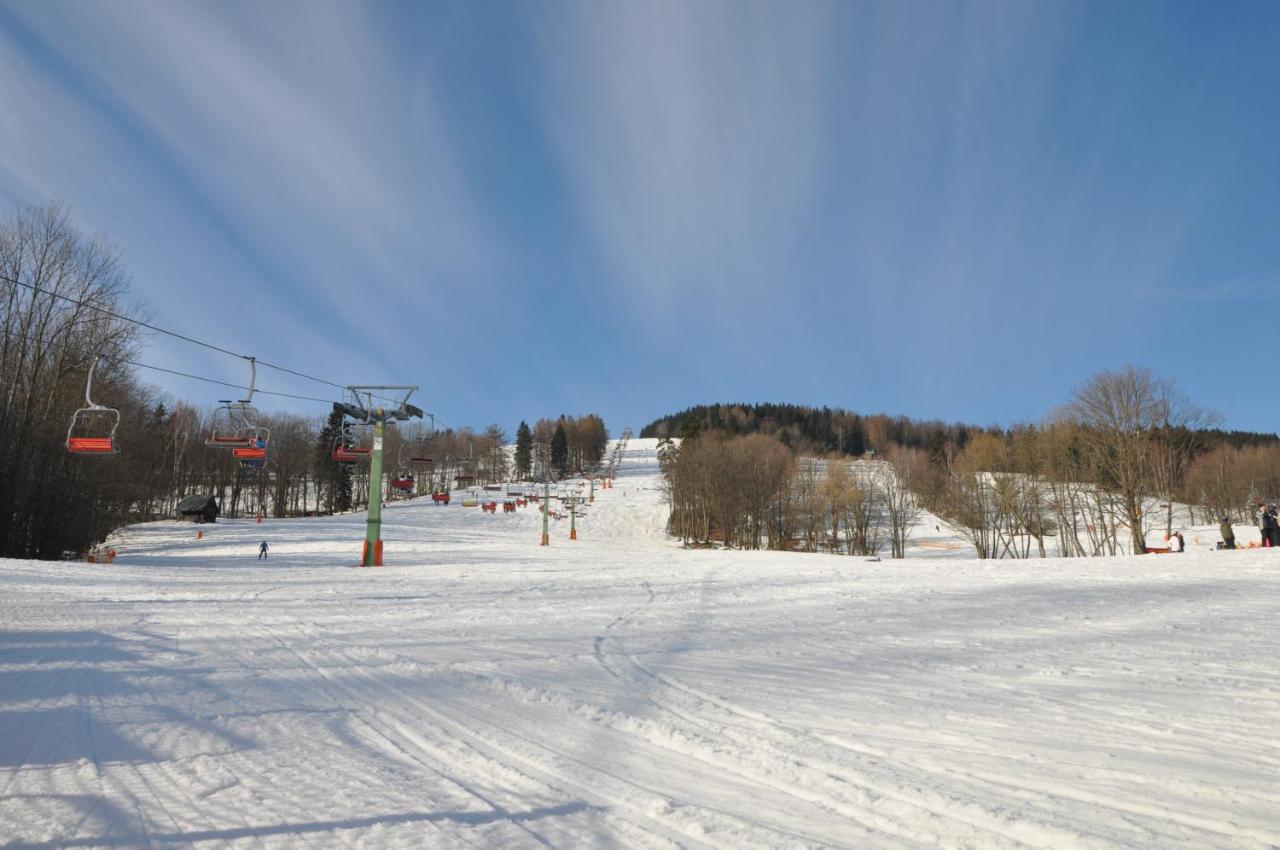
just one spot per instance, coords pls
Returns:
(257, 391)
(116, 315)
(176, 335)
(247, 440)
(141, 365)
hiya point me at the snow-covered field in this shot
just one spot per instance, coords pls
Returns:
(482, 691)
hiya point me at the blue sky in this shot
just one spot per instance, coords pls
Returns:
(948, 210)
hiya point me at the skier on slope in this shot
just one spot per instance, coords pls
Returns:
(262, 550)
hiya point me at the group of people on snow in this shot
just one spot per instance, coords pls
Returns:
(1268, 527)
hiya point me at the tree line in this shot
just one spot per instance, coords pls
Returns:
(826, 430)
(553, 449)
(63, 309)
(1100, 473)
(754, 492)
(812, 430)
(51, 337)
(1093, 479)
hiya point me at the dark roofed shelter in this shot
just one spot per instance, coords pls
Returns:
(198, 508)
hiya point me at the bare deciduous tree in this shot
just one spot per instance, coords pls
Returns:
(864, 518)
(896, 486)
(1121, 418)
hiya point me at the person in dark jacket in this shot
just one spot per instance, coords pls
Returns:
(1228, 536)
(1267, 526)
(262, 550)
(1275, 525)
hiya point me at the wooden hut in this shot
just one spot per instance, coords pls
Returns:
(198, 508)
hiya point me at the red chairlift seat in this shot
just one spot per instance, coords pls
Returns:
(352, 454)
(91, 445)
(228, 441)
(93, 431)
(253, 455)
(402, 482)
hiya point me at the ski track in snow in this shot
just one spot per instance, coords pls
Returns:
(482, 691)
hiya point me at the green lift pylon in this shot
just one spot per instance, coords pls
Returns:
(371, 556)
(546, 506)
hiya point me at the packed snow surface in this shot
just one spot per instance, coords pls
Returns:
(619, 691)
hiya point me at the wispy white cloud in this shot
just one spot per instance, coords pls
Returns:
(281, 134)
(692, 135)
(1240, 290)
(886, 184)
(886, 174)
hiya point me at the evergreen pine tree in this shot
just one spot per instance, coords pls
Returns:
(560, 450)
(342, 488)
(667, 454)
(524, 450)
(690, 428)
(334, 477)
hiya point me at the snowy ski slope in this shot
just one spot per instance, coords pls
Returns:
(481, 691)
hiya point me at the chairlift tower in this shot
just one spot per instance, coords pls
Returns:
(363, 409)
(546, 507)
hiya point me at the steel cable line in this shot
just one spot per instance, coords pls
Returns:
(185, 338)
(119, 316)
(52, 339)
(222, 383)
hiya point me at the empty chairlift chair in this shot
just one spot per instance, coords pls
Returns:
(350, 445)
(420, 449)
(231, 428)
(93, 427)
(402, 478)
(227, 430)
